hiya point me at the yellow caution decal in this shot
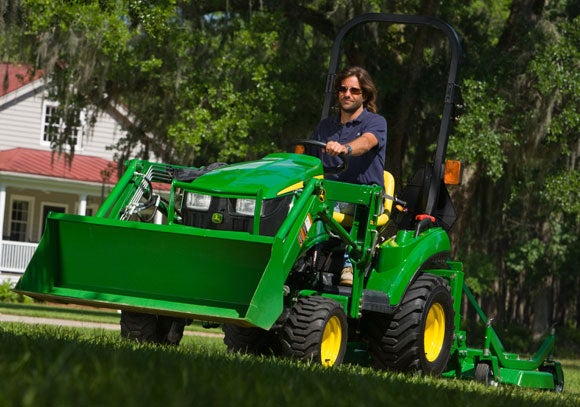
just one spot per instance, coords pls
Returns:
(304, 229)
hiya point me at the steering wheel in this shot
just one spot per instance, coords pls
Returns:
(320, 144)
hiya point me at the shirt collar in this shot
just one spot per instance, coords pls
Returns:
(357, 120)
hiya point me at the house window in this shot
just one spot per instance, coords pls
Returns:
(53, 125)
(50, 207)
(20, 217)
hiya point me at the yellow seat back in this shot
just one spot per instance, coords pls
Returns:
(389, 198)
(346, 220)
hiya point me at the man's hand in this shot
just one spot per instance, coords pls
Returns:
(334, 148)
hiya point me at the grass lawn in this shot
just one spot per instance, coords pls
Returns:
(61, 366)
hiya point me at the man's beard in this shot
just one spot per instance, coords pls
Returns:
(350, 109)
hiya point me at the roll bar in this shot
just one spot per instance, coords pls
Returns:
(451, 94)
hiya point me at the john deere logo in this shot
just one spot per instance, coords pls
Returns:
(217, 217)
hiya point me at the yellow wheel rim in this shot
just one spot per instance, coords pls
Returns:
(331, 342)
(434, 332)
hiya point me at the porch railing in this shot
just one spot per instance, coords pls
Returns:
(15, 256)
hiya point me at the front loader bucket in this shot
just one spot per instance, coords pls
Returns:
(166, 269)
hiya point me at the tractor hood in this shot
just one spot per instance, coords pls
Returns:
(274, 174)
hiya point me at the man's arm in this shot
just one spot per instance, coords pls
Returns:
(358, 146)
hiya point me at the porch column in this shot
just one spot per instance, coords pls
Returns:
(82, 204)
(158, 218)
(2, 209)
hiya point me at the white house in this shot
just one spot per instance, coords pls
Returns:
(33, 179)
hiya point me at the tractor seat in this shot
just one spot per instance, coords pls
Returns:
(346, 220)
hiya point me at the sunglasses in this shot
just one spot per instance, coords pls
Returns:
(353, 91)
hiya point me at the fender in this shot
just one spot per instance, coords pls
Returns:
(401, 257)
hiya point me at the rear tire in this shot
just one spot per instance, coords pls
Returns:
(418, 337)
(253, 341)
(151, 328)
(558, 383)
(316, 330)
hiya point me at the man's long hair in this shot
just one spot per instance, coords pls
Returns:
(366, 83)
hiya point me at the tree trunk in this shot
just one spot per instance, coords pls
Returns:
(463, 200)
(543, 304)
(524, 15)
(577, 319)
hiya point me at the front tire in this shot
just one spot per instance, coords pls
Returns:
(152, 328)
(418, 337)
(316, 330)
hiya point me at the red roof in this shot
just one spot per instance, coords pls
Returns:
(49, 164)
(13, 77)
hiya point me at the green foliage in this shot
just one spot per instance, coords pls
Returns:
(526, 168)
(525, 256)
(231, 115)
(563, 191)
(74, 43)
(482, 21)
(482, 272)
(199, 87)
(557, 69)
(7, 295)
(480, 139)
(558, 73)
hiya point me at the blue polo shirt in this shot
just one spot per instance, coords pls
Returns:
(364, 169)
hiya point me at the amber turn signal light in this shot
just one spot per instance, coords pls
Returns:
(452, 172)
(299, 149)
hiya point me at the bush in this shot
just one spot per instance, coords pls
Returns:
(7, 295)
(568, 342)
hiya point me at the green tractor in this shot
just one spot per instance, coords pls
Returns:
(257, 247)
